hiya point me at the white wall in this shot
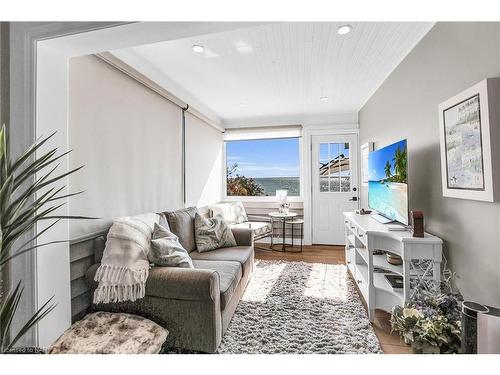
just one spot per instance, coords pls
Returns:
(52, 262)
(204, 164)
(129, 139)
(451, 58)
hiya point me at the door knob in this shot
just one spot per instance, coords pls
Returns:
(354, 199)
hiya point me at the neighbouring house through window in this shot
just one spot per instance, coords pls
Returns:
(259, 167)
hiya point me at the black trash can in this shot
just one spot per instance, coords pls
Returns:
(469, 325)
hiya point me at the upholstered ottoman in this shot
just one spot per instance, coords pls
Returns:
(111, 333)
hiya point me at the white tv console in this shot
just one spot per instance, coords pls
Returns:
(363, 235)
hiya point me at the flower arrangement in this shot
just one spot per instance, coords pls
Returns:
(431, 322)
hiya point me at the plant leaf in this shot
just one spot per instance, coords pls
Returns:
(7, 312)
(30, 151)
(41, 313)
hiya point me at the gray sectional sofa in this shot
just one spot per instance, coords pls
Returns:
(195, 305)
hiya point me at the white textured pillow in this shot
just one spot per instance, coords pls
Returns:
(239, 213)
(232, 213)
(225, 210)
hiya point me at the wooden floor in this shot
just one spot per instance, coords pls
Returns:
(391, 343)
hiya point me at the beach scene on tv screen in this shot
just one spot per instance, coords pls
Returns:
(387, 185)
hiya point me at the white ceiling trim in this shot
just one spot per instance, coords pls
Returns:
(303, 119)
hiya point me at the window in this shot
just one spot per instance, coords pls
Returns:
(259, 167)
(334, 168)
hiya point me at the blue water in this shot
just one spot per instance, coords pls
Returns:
(390, 199)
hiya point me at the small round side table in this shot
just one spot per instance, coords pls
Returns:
(300, 223)
(283, 217)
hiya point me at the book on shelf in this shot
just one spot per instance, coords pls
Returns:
(395, 281)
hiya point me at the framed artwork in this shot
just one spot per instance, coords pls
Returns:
(365, 150)
(467, 125)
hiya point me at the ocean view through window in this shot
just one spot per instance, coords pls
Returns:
(259, 167)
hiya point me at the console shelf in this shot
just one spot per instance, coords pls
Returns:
(364, 235)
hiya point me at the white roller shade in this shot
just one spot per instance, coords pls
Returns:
(130, 140)
(204, 166)
(270, 132)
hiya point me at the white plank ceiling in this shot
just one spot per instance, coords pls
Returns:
(278, 71)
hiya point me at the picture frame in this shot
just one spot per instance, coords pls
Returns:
(365, 148)
(469, 125)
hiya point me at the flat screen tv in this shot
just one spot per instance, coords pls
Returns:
(388, 182)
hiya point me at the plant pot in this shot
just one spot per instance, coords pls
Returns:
(425, 349)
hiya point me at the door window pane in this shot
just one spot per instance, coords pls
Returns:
(345, 168)
(334, 168)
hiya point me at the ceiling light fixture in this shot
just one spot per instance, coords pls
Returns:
(243, 105)
(344, 29)
(197, 48)
(323, 98)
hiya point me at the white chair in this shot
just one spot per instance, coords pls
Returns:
(235, 215)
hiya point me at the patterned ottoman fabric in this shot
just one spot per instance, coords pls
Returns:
(111, 333)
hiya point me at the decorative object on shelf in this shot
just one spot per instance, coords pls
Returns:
(430, 322)
(282, 197)
(365, 150)
(363, 212)
(394, 259)
(469, 130)
(417, 223)
(395, 281)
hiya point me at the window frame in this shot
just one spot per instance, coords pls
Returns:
(249, 198)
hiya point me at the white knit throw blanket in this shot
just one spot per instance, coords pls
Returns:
(124, 267)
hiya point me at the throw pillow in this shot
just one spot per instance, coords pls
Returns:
(239, 213)
(166, 250)
(212, 233)
(225, 210)
(181, 224)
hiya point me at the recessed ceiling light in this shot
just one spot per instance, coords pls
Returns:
(344, 29)
(243, 105)
(323, 98)
(197, 48)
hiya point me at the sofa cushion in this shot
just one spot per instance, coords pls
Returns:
(241, 254)
(258, 228)
(212, 233)
(181, 223)
(230, 274)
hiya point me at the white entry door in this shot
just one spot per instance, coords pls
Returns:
(334, 185)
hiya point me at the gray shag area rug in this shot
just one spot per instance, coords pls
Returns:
(299, 308)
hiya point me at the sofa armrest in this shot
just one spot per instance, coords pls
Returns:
(243, 236)
(266, 219)
(183, 283)
(188, 284)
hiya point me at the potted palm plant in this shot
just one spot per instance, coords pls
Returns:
(20, 211)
